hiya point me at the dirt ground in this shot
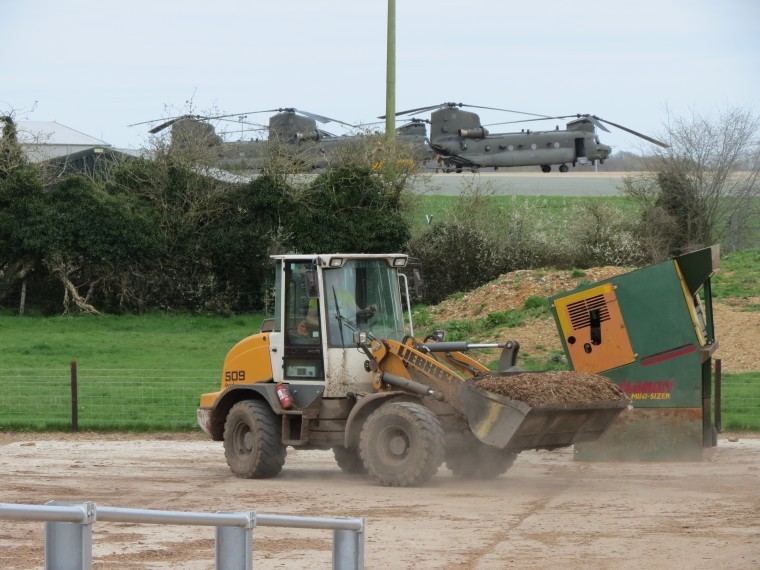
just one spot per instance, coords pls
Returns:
(548, 511)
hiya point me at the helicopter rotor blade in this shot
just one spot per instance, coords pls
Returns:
(452, 105)
(560, 117)
(162, 119)
(424, 109)
(170, 122)
(249, 123)
(635, 133)
(143, 123)
(322, 118)
(162, 126)
(593, 119)
(167, 122)
(509, 111)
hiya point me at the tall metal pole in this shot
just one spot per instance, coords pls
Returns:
(390, 78)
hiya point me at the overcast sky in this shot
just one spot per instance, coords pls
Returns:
(99, 65)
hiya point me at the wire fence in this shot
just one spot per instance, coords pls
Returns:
(105, 399)
(112, 399)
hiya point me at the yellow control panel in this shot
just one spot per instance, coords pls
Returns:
(594, 331)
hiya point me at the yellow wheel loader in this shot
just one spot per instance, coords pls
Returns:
(339, 367)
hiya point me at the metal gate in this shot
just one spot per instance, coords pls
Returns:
(68, 532)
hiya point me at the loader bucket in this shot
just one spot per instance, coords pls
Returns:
(510, 424)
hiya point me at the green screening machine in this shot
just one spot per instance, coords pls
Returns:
(651, 332)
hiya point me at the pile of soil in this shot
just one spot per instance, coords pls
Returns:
(538, 389)
(735, 321)
(510, 290)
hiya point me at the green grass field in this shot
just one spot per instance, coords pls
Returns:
(550, 207)
(153, 341)
(134, 373)
(739, 276)
(147, 372)
(740, 394)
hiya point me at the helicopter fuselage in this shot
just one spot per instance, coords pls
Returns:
(461, 141)
(521, 149)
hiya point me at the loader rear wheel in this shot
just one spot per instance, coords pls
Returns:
(349, 460)
(402, 444)
(253, 440)
(479, 461)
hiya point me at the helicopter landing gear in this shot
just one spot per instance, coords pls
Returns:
(546, 168)
(474, 170)
(563, 168)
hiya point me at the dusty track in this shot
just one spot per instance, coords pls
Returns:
(548, 511)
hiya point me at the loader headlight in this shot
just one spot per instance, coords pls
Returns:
(360, 337)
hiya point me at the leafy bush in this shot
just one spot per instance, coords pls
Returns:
(602, 235)
(346, 209)
(455, 257)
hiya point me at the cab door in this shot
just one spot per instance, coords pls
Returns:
(302, 356)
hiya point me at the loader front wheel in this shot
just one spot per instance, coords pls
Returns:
(402, 444)
(479, 461)
(253, 440)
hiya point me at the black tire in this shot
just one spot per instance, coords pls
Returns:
(253, 440)
(402, 444)
(349, 460)
(479, 461)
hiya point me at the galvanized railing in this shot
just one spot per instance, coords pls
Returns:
(68, 532)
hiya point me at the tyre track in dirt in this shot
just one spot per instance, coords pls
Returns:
(532, 508)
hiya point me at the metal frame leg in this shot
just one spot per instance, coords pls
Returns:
(68, 545)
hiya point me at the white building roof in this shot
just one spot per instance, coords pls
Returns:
(52, 133)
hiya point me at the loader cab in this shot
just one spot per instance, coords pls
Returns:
(320, 301)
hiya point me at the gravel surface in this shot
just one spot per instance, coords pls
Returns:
(547, 511)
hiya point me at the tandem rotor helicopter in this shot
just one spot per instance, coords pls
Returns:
(292, 129)
(460, 141)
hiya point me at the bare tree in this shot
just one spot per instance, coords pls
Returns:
(704, 187)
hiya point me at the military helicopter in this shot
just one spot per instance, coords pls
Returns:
(461, 141)
(287, 125)
(291, 132)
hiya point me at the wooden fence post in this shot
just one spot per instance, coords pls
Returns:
(717, 403)
(74, 398)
